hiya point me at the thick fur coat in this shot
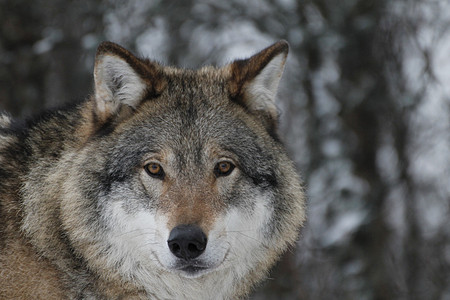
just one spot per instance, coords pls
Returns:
(165, 184)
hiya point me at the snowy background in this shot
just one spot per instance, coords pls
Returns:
(365, 102)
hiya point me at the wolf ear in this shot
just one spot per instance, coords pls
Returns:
(254, 81)
(123, 79)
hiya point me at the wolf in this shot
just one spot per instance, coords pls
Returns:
(165, 183)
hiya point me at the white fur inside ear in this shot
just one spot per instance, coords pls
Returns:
(263, 88)
(116, 83)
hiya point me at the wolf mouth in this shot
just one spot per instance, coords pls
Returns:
(193, 270)
(196, 268)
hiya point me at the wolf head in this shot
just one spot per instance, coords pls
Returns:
(182, 186)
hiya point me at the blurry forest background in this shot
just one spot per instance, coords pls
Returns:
(365, 103)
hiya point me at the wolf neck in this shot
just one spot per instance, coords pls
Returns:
(49, 140)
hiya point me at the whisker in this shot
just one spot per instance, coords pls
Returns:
(139, 231)
(246, 230)
(247, 236)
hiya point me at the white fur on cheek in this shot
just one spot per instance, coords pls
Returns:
(135, 238)
(244, 230)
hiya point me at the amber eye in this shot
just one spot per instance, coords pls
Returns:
(155, 170)
(223, 168)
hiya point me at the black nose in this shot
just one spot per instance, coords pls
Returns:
(187, 241)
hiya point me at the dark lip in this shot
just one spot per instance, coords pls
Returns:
(192, 269)
(196, 268)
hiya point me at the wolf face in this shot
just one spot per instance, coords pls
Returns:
(192, 195)
(169, 182)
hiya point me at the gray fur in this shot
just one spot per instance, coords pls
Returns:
(78, 206)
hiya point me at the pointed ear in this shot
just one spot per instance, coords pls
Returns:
(254, 81)
(122, 79)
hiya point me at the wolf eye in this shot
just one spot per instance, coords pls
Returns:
(223, 168)
(154, 170)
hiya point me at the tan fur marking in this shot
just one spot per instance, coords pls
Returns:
(87, 128)
(24, 275)
(199, 206)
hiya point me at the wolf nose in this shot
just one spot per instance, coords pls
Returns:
(187, 241)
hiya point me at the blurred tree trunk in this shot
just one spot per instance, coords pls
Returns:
(365, 118)
(21, 79)
(42, 51)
